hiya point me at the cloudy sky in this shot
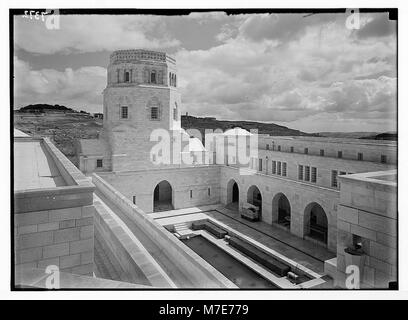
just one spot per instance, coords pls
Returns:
(310, 73)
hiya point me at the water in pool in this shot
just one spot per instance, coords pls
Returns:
(230, 267)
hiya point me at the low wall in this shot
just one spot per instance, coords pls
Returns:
(134, 259)
(200, 274)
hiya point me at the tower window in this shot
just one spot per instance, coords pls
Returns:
(191, 194)
(209, 192)
(273, 167)
(291, 149)
(153, 77)
(306, 150)
(124, 112)
(175, 80)
(127, 76)
(360, 156)
(334, 179)
(260, 165)
(99, 163)
(383, 158)
(267, 146)
(170, 79)
(154, 113)
(134, 199)
(279, 168)
(279, 148)
(339, 154)
(322, 152)
(175, 112)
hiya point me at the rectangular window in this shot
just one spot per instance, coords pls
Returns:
(314, 174)
(383, 158)
(124, 112)
(127, 76)
(191, 194)
(175, 114)
(209, 192)
(334, 179)
(154, 113)
(322, 152)
(284, 169)
(360, 156)
(279, 168)
(307, 173)
(339, 154)
(260, 165)
(99, 163)
(134, 199)
(291, 149)
(279, 148)
(267, 147)
(306, 150)
(300, 172)
(273, 167)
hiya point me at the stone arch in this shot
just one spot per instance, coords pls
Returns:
(281, 210)
(254, 197)
(316, 223)
(163, 196)
(232, 193)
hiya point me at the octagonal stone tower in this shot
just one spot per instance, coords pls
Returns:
(141, 95)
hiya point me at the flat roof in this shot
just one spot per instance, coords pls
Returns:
(34, 167)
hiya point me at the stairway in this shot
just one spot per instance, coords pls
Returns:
(182, 230)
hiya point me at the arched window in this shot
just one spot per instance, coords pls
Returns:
(175, 80)
(169, 79)
(127, 76)
(175, 111)
(153, 77)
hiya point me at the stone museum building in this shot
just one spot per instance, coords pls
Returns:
(152, 204)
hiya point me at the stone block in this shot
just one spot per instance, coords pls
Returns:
(65, 214)
(28, 255)
(383, 253)
(347, 214)
(387, 240)
(27, 229)
(30, 218)
(70, 261)
(84, 221)
(87, 257)
(341, 225)
(56, 250)
(88, 211)
(363, 232)
(377, 223)
(48, 226)
(67, 224)
(87, 232)
(81, 246)
(66, 235)
(43, 264)
(32, 240)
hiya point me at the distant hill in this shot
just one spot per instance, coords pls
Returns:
(361, 135)
(191, 122)
(393, 136)
(43, 108)
(348, 135)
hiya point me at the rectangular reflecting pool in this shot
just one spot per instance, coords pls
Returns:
(231, 268)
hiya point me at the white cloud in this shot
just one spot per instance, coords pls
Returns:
(90, 33)
(81, 88)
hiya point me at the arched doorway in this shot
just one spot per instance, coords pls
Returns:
(254, 197)
(163, 197)
(281, 210)
(316, 224)
(232, 195)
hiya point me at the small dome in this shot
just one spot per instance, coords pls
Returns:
(237, 131)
